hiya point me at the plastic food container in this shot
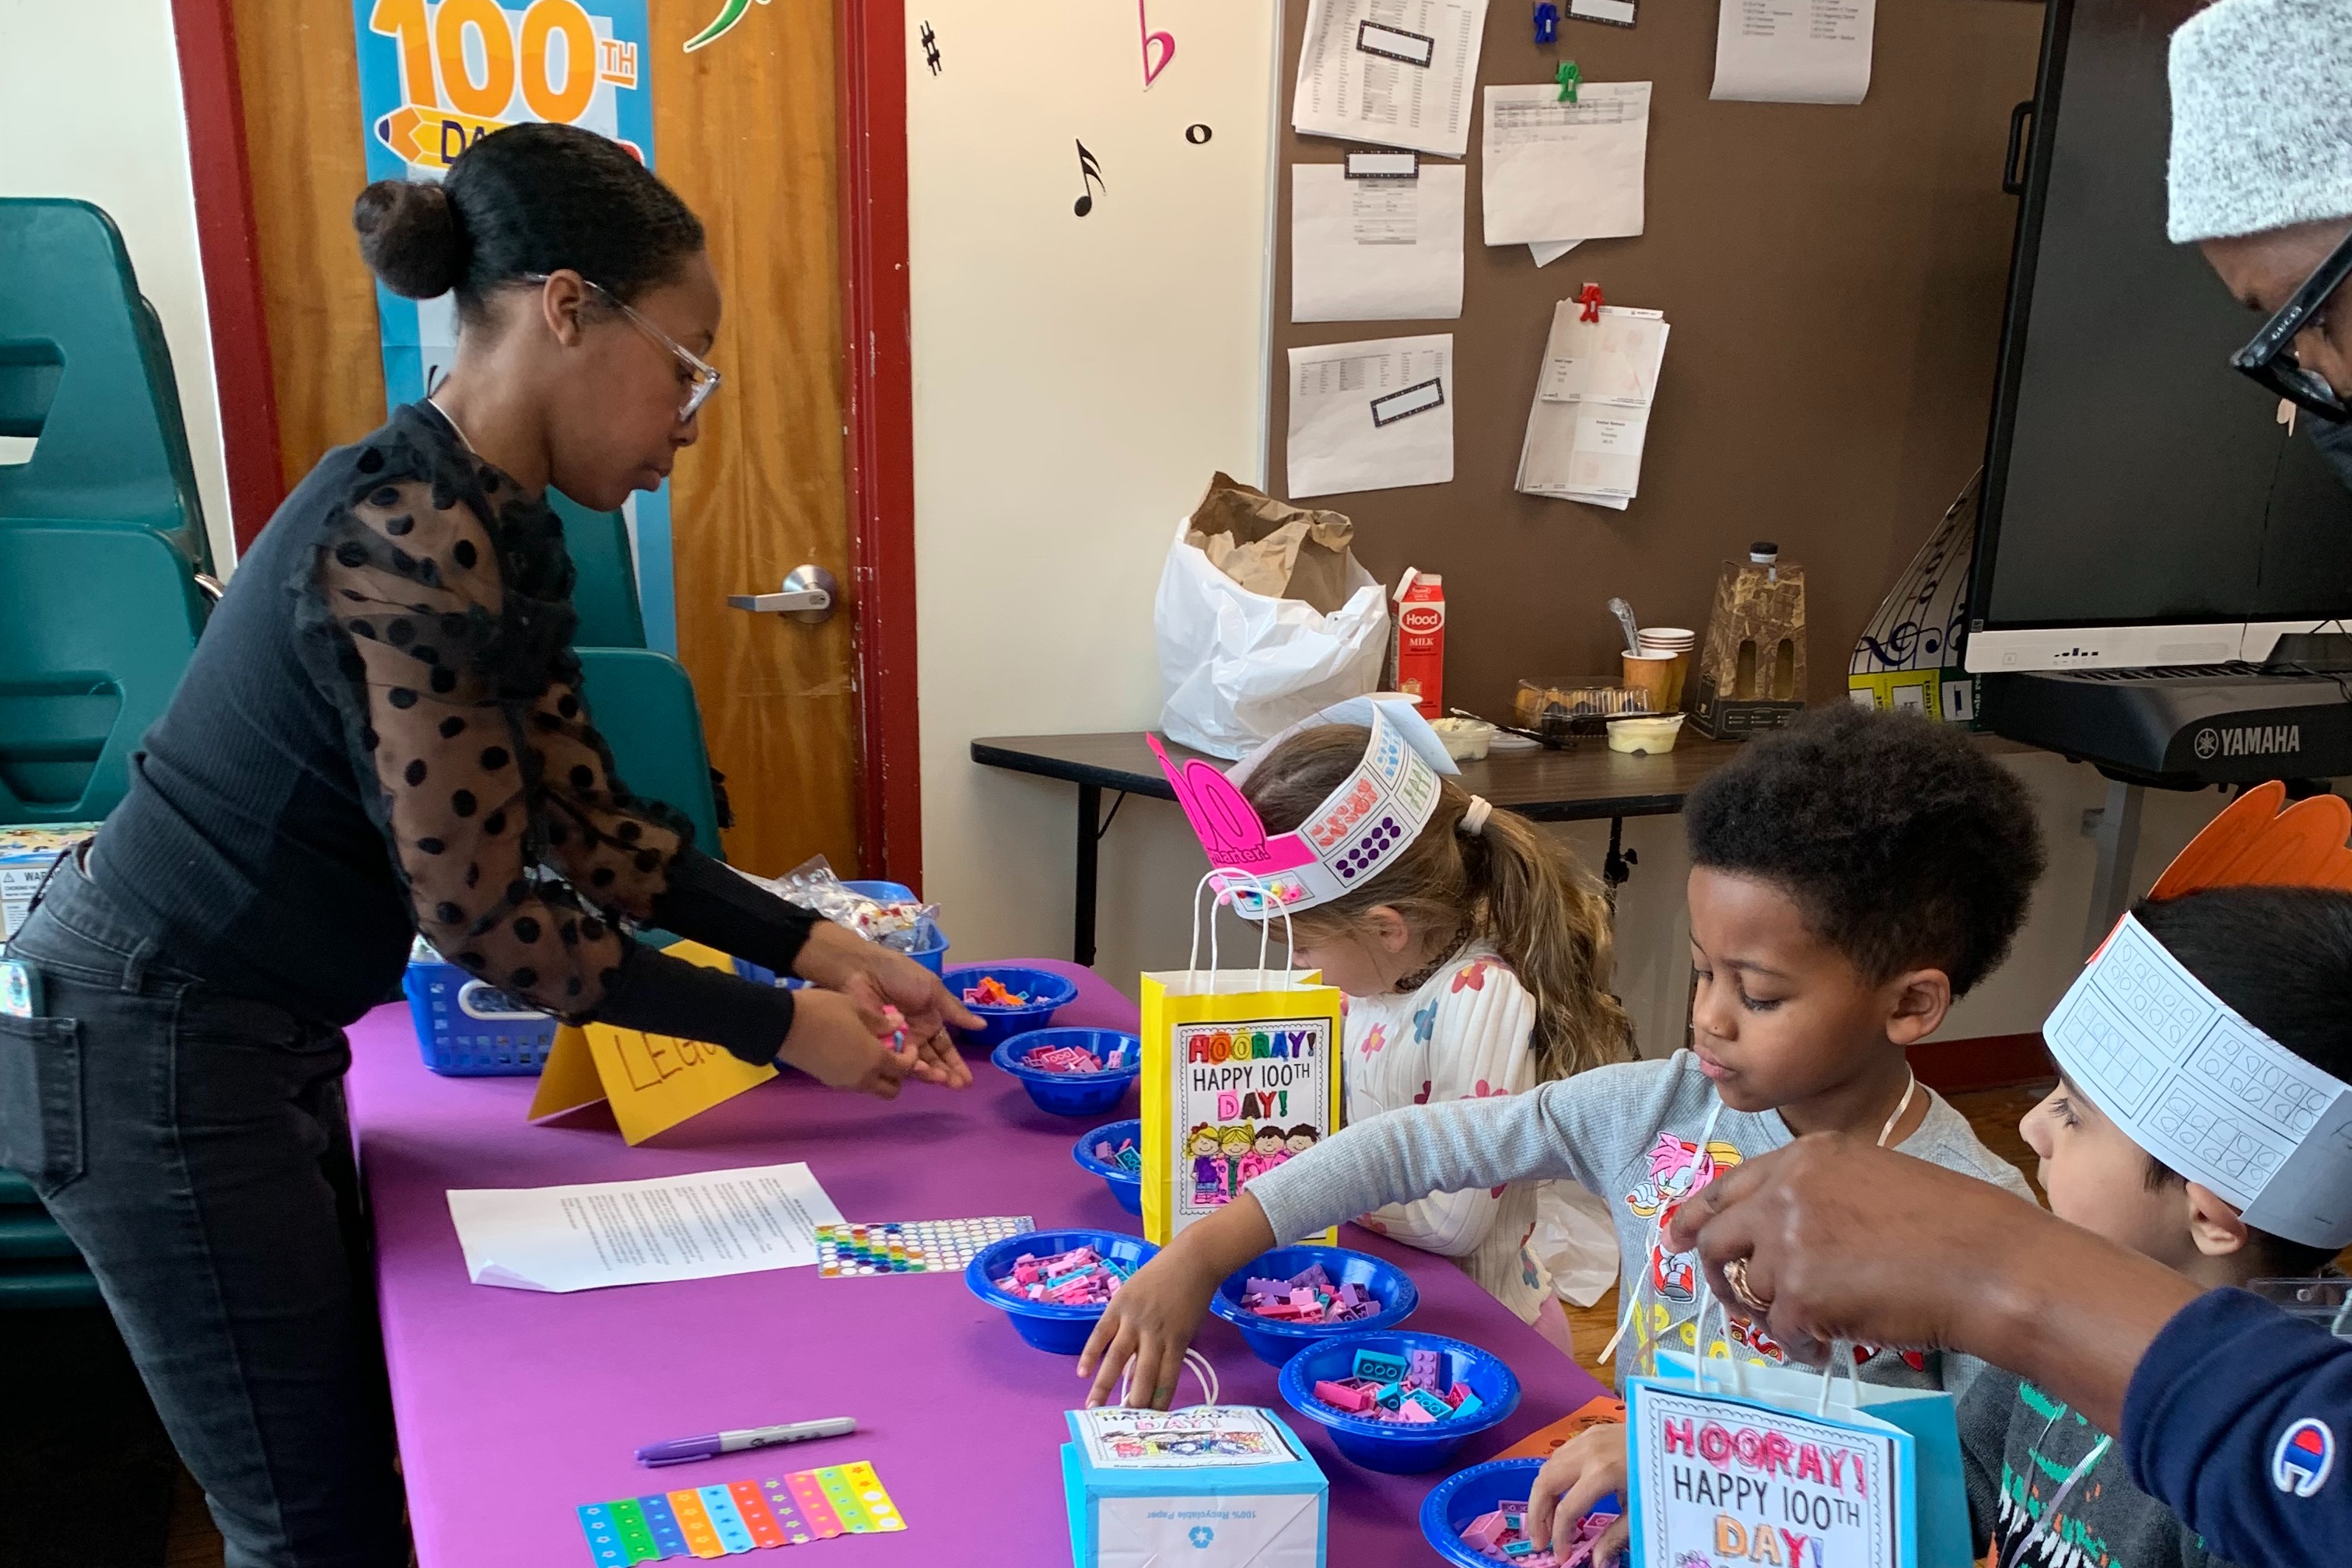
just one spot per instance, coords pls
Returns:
(1575, 705)
(1276, 1341)
(1467, 740)
(1126, 1185)
(1061, 1330)
(1462, 1496)
(1654, 735)
(1387, 1446)
(1073, 1093)
(1048, 993)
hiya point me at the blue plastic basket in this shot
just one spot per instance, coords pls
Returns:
(1049, 1327)
(1073, 1093)
(1387, 1446)
(1050, 992)
(1462, 1496)
(469, 1028)
(1126, 1185)
(1275, 1342)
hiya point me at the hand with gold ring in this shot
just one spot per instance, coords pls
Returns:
(1734, 1274)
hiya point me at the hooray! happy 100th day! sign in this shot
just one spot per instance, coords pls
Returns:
(1719, 1482)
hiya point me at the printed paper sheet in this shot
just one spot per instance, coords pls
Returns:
(1354, 82)
(1793, 51)
(1371, 415)
(1558, 171)
(1375, 250)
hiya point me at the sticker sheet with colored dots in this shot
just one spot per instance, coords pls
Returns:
(911, 1246)
(722, 1521)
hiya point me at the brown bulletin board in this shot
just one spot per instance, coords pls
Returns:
(1834, 279)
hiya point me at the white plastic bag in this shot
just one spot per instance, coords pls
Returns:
(1238, 668)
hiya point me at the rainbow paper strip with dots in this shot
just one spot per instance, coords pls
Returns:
(911, 1246)
(735, 1517)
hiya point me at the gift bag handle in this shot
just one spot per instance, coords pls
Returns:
(1194, 1362)
(1223, 882)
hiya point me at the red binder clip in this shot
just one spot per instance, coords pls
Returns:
(1590, 299)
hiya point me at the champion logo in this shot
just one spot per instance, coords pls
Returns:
(2305, 1456)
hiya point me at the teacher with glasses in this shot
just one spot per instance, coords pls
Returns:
(381, 734)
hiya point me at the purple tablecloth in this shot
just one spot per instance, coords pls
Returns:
(516, 1407)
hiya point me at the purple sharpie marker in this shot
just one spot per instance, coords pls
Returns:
(686, 1450)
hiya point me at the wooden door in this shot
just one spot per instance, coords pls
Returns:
(743, 130)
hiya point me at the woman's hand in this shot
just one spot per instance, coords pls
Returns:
(1151, 1321)
(877, 977)
(1580, 1473)
(839, 1043)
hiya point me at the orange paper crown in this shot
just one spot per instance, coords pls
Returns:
(2253, 844)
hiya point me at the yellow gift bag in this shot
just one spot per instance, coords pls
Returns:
(1240, 1072)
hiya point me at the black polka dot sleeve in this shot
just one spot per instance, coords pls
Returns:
(439, 614)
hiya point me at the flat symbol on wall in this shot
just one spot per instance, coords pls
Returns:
(1198, 135)
(1166, 42)
(930, 49)
(1089, 169)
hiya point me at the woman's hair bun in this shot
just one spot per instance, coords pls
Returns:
(409, 238)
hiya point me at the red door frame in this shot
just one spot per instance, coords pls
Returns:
(214, 106)
(870, 86)
(871, 115)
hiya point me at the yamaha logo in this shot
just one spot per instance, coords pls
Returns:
(2249, 741)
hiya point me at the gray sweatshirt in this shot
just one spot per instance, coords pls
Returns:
(1627, 1132)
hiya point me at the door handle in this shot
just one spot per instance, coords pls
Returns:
(808, 594)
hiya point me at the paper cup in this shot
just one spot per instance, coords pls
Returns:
(1656, 674)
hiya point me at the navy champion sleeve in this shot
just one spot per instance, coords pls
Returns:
(2235, 1419)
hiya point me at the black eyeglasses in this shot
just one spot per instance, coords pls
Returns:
(2270, 358)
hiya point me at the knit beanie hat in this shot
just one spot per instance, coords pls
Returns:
(2262, 117)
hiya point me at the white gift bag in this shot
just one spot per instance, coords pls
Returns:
(1238, 668)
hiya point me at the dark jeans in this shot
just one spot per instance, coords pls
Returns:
(194, 1146)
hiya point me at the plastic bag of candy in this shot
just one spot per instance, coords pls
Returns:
(905, 924)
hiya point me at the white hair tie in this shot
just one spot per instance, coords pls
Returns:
(1473, 819)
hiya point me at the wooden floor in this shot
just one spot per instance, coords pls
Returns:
(1993, 1112)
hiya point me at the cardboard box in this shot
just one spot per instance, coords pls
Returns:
(27, 854)
(1211, 1487)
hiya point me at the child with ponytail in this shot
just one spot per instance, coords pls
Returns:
(1475, 964)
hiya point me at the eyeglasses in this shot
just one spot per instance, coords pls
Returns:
(702, 380)
(2270, 358)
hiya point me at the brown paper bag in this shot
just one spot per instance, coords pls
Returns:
(1273, 548)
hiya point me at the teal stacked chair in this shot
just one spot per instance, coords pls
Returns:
(39, 1266)
(97, 624)
(643, 703)
(85, 373)
(604, 587)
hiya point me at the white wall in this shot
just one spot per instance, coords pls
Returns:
(89, 108)
(1077, 381)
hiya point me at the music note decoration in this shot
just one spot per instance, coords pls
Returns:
(1089, 169)
(1198, 135)
(930, 41)
(1166, 41)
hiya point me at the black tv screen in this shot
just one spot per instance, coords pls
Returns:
(2132, 476)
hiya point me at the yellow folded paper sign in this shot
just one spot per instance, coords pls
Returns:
(653, 1081)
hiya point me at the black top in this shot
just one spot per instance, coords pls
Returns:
(380, 731)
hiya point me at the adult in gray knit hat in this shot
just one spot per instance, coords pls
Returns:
(2262, 182)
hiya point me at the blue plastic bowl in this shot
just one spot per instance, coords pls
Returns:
(1052, 992)
(1462, 1496)
(1387, 1446)
(1276, 1343)
(1048, 1327)
(1126, 1185)
(1073, 1093)
(932, 952)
